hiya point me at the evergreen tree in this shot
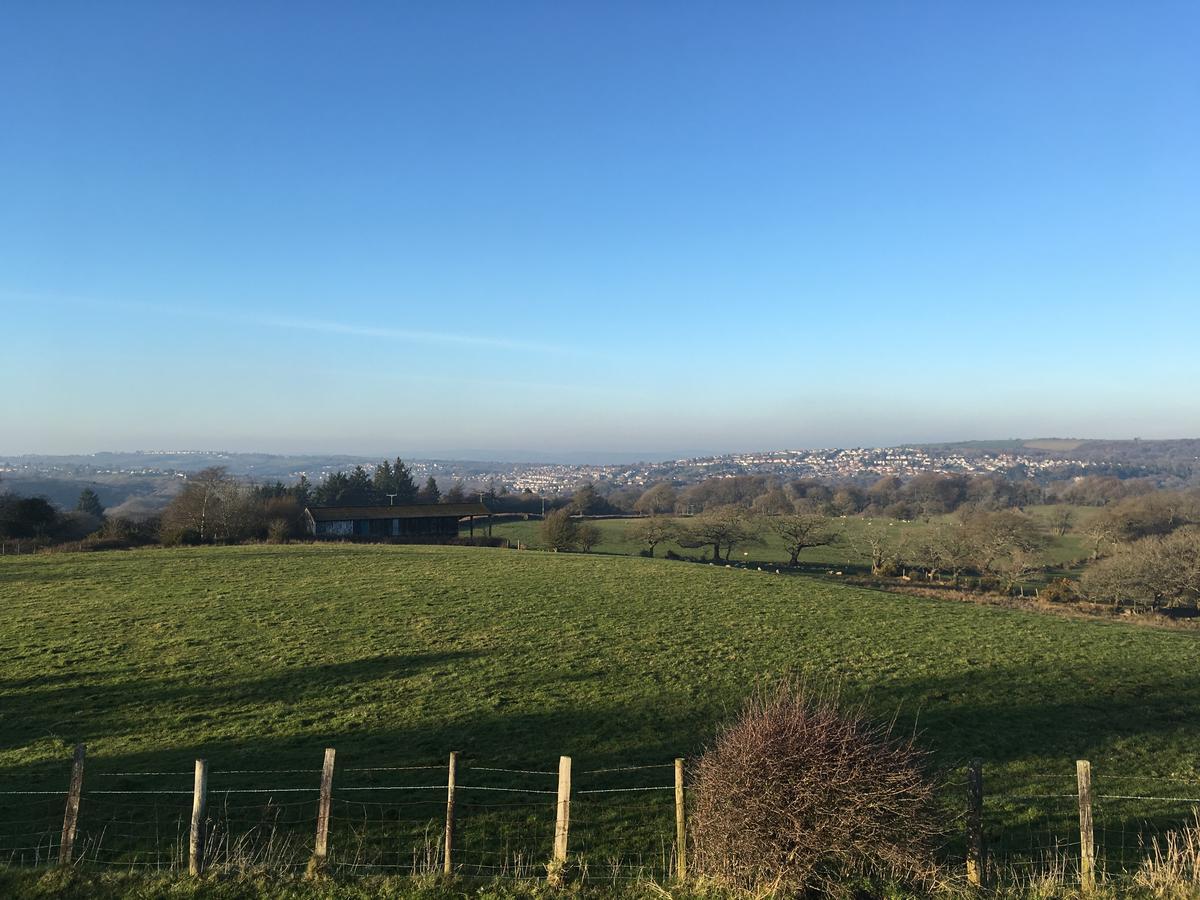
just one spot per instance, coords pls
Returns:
(331, 491)
(456, 494)
(269, 491)
(303, 491)
(383, 478)
(360, 491)
(430, 493)
(393, 483)
(89, 502)
(404, 487)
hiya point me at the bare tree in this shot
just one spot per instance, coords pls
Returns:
(878, 543)
(802, 530)
(652, 531)
(658, 500)
(1062, 520)
(998, 534)
(197, 509)
(775, 502)
(947, 548)
(559, 531)
(723, 527)
(588, 536)
(1101, 531)
(1016, 566)
(1154, 571)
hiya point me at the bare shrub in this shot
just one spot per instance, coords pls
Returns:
(278, 531)
(800, 793)
(1172, 868)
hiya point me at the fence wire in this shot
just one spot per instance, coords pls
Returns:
(391, 820)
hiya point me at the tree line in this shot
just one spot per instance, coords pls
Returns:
(36, 521)
(213, 506)
(1143, 544)
(928, 494)
(1144, 549)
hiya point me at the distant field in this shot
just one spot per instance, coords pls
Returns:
(258, 657)
(847, 552)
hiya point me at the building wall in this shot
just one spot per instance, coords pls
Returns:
(437, 527)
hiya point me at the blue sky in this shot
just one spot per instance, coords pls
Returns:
(652, 228)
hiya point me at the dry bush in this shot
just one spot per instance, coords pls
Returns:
(278, 531)
(1173, 867)
(800, 793)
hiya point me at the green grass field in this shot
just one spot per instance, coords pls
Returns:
(848, 552)
(258, 657)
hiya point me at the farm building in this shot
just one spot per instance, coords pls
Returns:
(424, 522)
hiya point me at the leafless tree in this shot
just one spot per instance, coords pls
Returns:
(205, 508)
(652, 531)
(1062, 520)
(878, 543)
(774, 502)
(588, 536)
(998, 534)
(658, 500)
(1101, 531)
(944, 548)
(1016, 566)
(723, 527)
(801, 530)
(1161, 570)
(559, 531)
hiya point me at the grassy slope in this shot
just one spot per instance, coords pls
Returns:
(260, 656)
(407, 652)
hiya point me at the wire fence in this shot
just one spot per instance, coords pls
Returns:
(1034, 823)
(619, 824)
(381, 820)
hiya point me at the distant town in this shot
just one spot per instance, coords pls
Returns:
(1041, 460)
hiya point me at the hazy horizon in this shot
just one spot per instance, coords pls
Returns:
(575, 457)
(668, 230)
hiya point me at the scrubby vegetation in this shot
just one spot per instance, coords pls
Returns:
(804, 794)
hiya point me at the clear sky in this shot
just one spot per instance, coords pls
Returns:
(652, 228)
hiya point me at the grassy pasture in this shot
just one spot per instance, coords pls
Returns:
(847, 552)
(258, 657)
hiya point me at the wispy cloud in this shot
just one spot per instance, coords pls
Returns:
(408, 335)
(198, 311)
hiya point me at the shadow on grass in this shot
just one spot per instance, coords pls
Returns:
(47, 703)
(968, 715)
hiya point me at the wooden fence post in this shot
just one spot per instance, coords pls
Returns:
(976, 873)
(1087, 845)
(321, 849)
(196, 840)
(451, 777)
(562, 822)
(66, 846)
(680, 824)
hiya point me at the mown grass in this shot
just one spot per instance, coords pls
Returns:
(260, 656)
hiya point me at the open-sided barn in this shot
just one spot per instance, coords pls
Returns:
(431, 522)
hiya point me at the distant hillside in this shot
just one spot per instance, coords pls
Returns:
(1160, 456)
